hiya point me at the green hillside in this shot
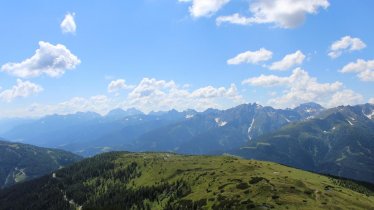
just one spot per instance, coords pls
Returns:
(169, 181)
(21, 162)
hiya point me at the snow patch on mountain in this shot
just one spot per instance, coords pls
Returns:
(250, 129)
(189, 116)
(370, 116)
(286, 119)
(349, 122)
(219, 122)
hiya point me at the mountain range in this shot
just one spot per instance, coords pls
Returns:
(336, 141)
(217, 131)
(88, 133)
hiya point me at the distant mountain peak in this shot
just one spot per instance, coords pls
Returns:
(160, 113)
(211, 111)
(311, 105)
(189, 110)
(256, 104)
(173, 111)
(80, 115)
(119, 112)
(134, 111)
(87, 114)
(309, 110)
(114, 111)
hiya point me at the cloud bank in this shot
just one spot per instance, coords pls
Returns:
(300, 87)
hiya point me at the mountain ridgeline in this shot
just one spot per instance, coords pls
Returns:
(336, 141)
(89, 133)
(120, 180)
(22, 162)
(339, 141)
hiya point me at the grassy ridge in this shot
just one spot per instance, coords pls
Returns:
(170, 181)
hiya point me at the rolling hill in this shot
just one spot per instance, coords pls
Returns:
(22, 162)
(168, 181)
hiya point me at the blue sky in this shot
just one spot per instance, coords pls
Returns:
(164, 54)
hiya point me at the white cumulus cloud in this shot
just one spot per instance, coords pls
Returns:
(253, 57)
(289, 61)
(363, 69)
(282, 13)
(212, 92)
(267, 80)
(234, 19)
(371, 100)
(201, 8)
(345, 97)
(152, 94)
(52, 60)
(68, 24)
(345, 44)
(21, 89)
(300, 87)
(117, 85)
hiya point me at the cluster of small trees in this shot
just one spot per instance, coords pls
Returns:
(361, 187)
